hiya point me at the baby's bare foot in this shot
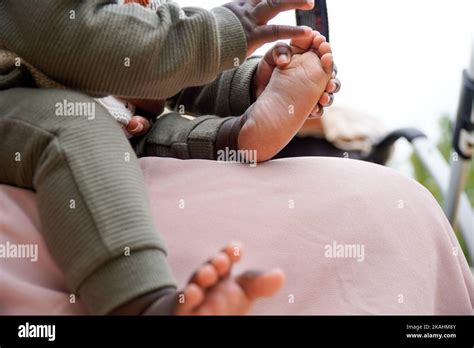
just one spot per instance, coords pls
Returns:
(280, 111)
(213, 291)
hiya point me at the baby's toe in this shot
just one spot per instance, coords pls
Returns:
(317, 42)
(333, 86)
(234, 251)
(206, 276)
(222, 264)
(324, 48)
(326, 99)
(258, 284)
(317, 112)
(189, 299)
(328, 63)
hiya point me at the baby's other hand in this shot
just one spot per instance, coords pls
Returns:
(254, 15)
(138, 125)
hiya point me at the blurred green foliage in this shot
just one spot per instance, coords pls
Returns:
(422, 176)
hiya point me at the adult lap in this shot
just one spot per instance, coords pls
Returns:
(293, 213)
(352, 237)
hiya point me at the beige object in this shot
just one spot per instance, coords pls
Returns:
(346, 128)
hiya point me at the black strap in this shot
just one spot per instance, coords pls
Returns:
(463, 118)
(317, 18)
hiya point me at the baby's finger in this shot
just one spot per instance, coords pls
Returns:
(326, 99)
(333, 86)
(138, 125)
(270, 33)
(280, 55)
(302, 44)
(268, 9)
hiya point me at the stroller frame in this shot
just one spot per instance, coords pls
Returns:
(449, 177)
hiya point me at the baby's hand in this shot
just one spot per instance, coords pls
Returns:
(254, 15)
(138, 125)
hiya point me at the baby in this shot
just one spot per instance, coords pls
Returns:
(89, 214)
(282, 106)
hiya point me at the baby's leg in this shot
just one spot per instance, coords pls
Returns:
(94, 212)
(280, 111)
(90, 192)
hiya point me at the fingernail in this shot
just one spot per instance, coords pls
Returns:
(283, 59)
(315, 115)
(138, 128)
(304, 29)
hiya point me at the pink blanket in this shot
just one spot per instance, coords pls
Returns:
(352, 237)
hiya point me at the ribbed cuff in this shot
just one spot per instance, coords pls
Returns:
(125, 278)
(228, 134)
(241, 86)
(233, 43)
(202, 139)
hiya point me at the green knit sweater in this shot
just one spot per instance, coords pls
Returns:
(102, 47)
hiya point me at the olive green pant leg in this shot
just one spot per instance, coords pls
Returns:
(90, 192)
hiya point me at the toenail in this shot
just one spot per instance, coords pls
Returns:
(331, 99)
(316, 113)
(334, 70)
(138, 128)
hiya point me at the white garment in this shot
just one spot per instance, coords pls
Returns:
(121, 110)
